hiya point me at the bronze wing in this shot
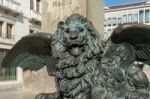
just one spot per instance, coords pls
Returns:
(31, 52)
(128, 43)
(138, 35)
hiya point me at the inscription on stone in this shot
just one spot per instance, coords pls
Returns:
(61, 2)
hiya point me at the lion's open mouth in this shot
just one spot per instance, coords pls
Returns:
(75, 48)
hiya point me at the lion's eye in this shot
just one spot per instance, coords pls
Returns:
(81, 29)
(67, 30)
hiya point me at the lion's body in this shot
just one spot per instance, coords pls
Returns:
(85, 71)
(77, 75)
(77, 81)
(84, 68)
(82, 76)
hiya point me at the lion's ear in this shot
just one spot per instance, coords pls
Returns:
(61, 25)
(91, 29)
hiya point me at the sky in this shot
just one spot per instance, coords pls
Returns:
(118, 2)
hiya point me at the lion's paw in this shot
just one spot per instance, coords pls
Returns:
(47, 96)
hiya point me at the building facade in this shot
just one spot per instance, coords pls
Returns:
(17, 18)
(127, 13)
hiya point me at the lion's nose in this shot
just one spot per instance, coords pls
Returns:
(73, 36)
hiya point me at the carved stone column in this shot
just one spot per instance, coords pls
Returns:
(57, 10)
(95, 13)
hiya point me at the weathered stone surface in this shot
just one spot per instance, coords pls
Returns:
(146, 69)
(17, 94)
(39, 81)
(95, 13)
(57, 10)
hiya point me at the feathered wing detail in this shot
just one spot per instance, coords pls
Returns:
(137, 35)
(127, 44)
(31, 52)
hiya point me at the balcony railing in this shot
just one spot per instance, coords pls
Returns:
(35, 16)
(10, 5)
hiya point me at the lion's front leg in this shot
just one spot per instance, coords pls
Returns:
(48, 96)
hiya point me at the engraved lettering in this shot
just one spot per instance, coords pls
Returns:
(61, 3)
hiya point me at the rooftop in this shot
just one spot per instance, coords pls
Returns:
(127, 5)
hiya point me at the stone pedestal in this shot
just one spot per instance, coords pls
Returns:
(95, 13)
(54, 11)
(58, 10)
(39, 81)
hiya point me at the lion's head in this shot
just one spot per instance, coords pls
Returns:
(76, 36)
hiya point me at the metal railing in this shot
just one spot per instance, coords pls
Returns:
(11, 4)
(35, 15)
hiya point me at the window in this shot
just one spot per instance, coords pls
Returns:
(141, 16)
(10, 72)
(1, 26)
(119, 21)
(31, 31)
(105, 24)
(9, 30)
(135, 18)
(114, 21)
(38, 5)
(129, 18)
(109, 21)
(31, 4)
(147, 16)
(109, 33)
(124, 19)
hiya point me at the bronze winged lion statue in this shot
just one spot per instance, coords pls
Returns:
(84, 66)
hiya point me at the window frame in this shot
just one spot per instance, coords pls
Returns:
(124, 19)
(130, 18)
(31, 4)
(114, 21)
(141, 16)
(109, 22)
(147, 17)
(9, 30)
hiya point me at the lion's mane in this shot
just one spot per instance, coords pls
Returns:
(74, 72)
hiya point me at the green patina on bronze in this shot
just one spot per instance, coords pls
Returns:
(83, 66)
